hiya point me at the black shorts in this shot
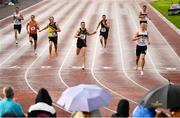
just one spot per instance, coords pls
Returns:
(54, 39)
(34, 36)
(81, 43)
(140, 50)
(143, 21)
(104, 34)
(18, 27)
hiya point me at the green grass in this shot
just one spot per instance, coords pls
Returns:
(162, 6)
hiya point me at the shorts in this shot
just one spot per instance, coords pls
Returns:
(143, 21)
(140, 50)
(80, 44)
(104, 34)
(54, 39)
(34, 36)
(18, 27)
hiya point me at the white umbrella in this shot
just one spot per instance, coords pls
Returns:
(84, 98)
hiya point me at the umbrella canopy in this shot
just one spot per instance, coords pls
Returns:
(85, 98)
(166, 96)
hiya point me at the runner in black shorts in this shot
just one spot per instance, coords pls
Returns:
(17, 17)
(32, 28)
(104, 30)
(82, 34)
(53, 30)
(142, 39)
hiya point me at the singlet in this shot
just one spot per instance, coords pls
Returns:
(144, 16)
(51, 32)
(142, 38)
(103, 27)
(83, 34)
(33, 27)
(16, 20)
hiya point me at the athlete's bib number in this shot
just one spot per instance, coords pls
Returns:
(82, 36)
(52, 34)
(103, 29)
(142, 41)
(33, 28)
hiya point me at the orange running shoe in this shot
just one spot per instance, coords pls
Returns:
(49, 58)
(56, 53)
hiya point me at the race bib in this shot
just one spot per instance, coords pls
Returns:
(142, 40)
(83, 36)
(33, 28)
(52, 34)
(103, 29)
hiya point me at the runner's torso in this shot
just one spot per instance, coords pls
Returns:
(16, 16)
(83, 35)
(51, 32)
(104, 29)
(143, 16)
(142, 38)
(33, 27)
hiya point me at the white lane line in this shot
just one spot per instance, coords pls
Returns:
(121, 50)
(136, 27)
(26, 41)
(30, 66)
(93, 65)
(70, 50)
(137, 5)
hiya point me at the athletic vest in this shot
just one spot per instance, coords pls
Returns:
(16, 20)
(144, 16)
(33, 27)
(142, 38)
(103, 27)
(83, 34)
(51, 32)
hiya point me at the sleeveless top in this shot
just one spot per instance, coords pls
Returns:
(83, 35)
(51, 32)
(142, 38)
(103, 27)
(16, 20)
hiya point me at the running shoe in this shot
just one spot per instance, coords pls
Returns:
(49, 58)
(56, 53)
(142, 73)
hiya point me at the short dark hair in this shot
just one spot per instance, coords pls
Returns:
(144, 6)
(17, 7)
(82, 22)
(33, 16)
(103, 15)
(8, 92)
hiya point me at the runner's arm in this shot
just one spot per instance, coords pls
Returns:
(38, 26)
(21, 17)
(43, 28)
(58, 28)
(107, 24)
(135, 37)
(91, 33)
(27, 28)
(77, 34)
(98, 25)
(148, 41)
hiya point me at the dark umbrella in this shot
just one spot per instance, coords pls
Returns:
(166, 96)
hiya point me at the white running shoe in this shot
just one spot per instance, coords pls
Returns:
(83, 67)
(16, 42)
(35, 53)
(142, 73)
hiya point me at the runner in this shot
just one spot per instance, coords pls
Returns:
(53, 30)
(104, 30)
(143, 15)
(142, 39)
(17, 17)
(81, 34)
(32, 28)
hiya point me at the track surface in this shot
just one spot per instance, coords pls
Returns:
(112, 68)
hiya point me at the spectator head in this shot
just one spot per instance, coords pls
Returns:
(8, 92)
(123, 108)
(43, 96)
